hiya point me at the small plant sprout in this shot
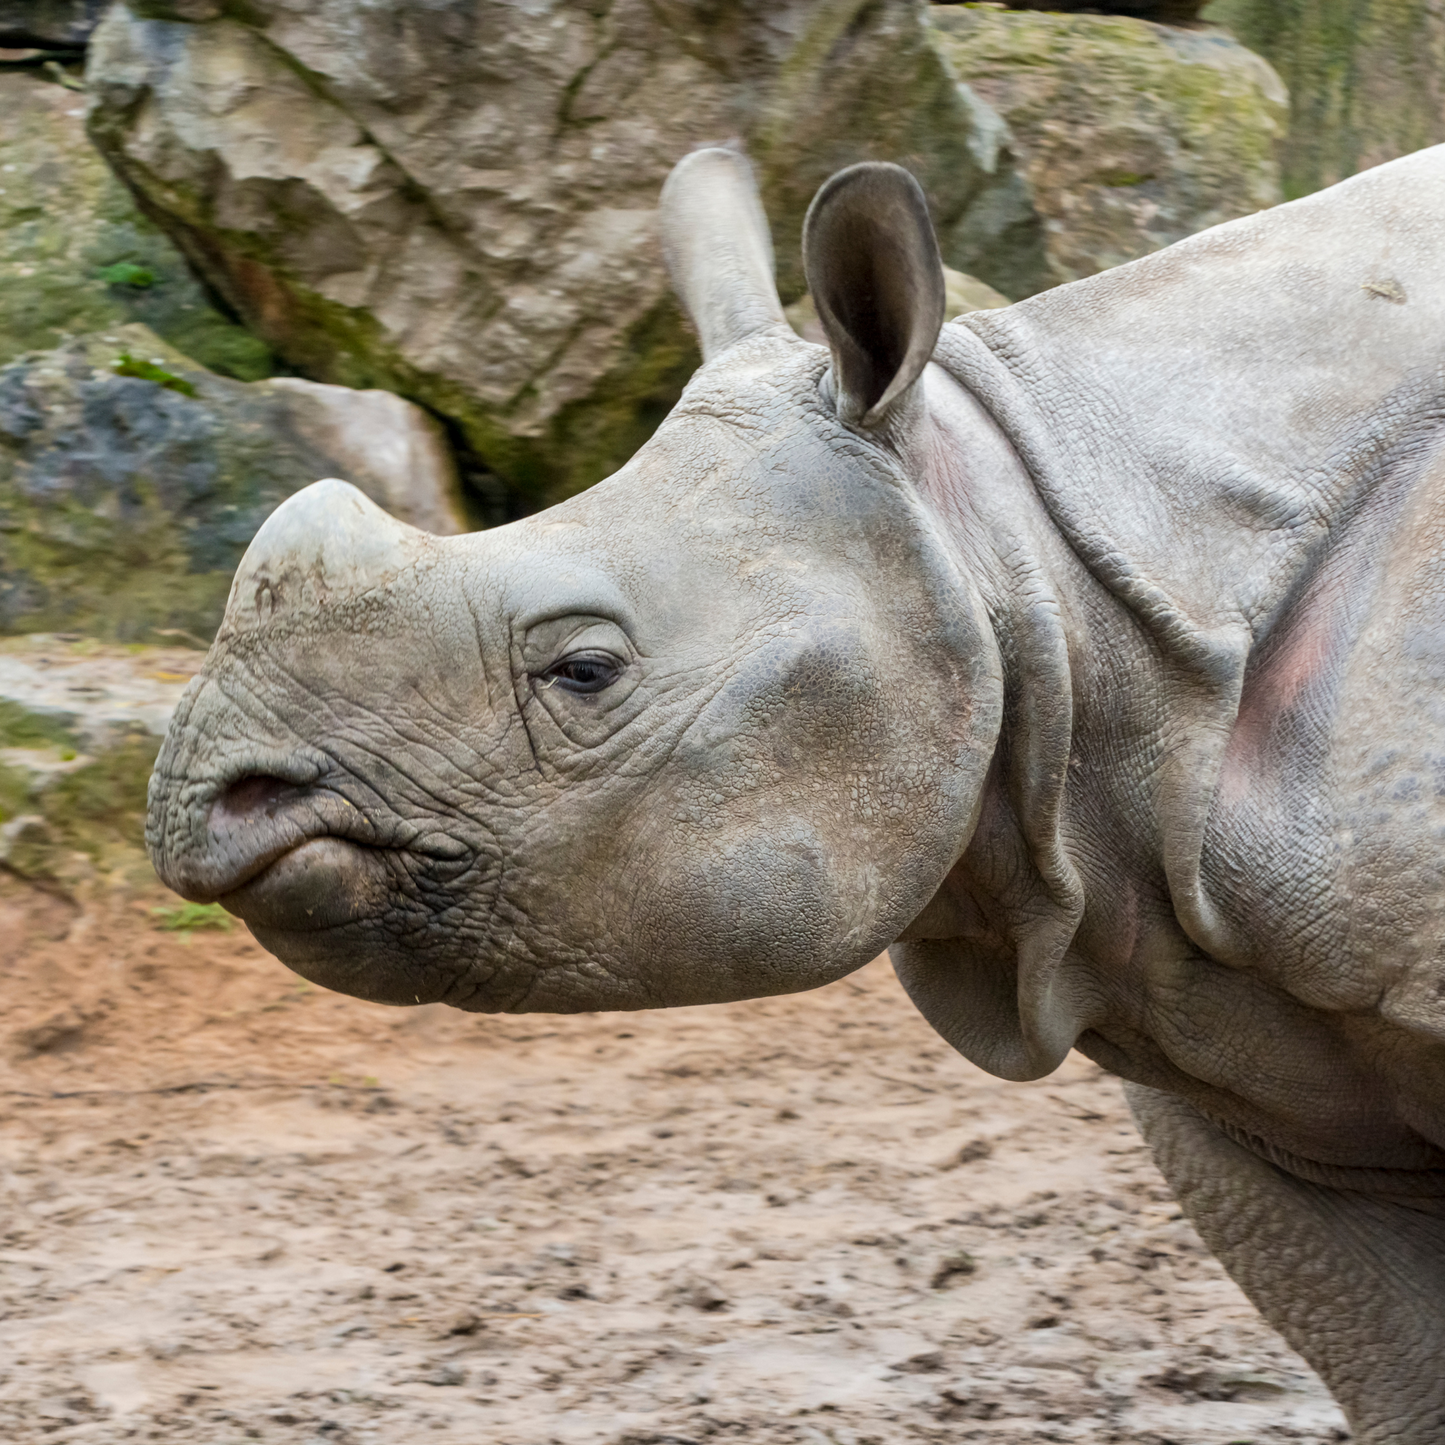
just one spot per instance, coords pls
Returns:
(187, 918)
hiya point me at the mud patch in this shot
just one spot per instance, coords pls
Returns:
(236, 1208)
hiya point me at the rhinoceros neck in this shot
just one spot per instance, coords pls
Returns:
(1122, 685)
(1229, 442)
(1083, 679)
(1153, 661)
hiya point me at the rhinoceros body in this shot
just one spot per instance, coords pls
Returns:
(1090, 654)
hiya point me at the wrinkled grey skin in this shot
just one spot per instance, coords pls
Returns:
(1090, 653)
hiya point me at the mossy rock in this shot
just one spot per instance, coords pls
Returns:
(64, 814)
(80, 726)
(344, 190)
(1131, 134)
(132, 480)
(76, 255)
(1366, 79)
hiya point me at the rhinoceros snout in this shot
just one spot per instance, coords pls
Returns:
(239, 785)
(269, 851)
(324, 883)
(225, 836)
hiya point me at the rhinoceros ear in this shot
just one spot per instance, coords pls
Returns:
(873, 268)
(718, 249)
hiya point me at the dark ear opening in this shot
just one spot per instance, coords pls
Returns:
(873, 268)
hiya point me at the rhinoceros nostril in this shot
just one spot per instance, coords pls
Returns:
(256, 796)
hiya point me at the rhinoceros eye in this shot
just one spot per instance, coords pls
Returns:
(583, 672)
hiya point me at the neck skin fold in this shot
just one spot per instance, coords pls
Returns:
(1032, 939)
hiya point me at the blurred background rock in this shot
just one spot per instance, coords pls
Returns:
(1366, 79)
(132, 479)
(60, 25)
(455, 201)
(243, 246)
(1130, 135)
(76, 254)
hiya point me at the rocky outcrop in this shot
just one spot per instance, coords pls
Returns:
(1132, 135)
(1366, 79)
(75, 253)
(131, 480)
(455, 201)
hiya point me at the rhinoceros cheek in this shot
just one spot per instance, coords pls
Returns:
(773, 913)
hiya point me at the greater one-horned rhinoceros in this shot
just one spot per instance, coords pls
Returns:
(1088, 653)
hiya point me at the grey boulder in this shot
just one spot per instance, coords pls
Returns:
(132, 480)
(1131, 135)
(1366, 80)
(77, 255)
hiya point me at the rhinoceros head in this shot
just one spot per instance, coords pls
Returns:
(715, 728)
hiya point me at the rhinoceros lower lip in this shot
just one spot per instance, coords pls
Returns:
(321, 883)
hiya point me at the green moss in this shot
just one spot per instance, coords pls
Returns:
(21, 728)
(15, 789)
(77, 256)
(1113, 60)
(1132, 135)
(102, 805)
(590, 440)
(120, 578)
(189, 917)
(127, 273)
(127, 365)
(221, 347)
(96, 810)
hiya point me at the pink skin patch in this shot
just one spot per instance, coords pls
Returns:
(1300, 652)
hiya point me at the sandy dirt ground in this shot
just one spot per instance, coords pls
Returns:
(235, 1208)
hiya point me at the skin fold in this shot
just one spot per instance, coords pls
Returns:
(1087, 654)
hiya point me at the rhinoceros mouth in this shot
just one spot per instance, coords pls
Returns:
(322, 883)
(263, 837)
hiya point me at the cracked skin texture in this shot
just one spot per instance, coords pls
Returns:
(1098, 674)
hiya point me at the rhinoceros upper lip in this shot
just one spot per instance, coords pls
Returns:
(252, 826)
